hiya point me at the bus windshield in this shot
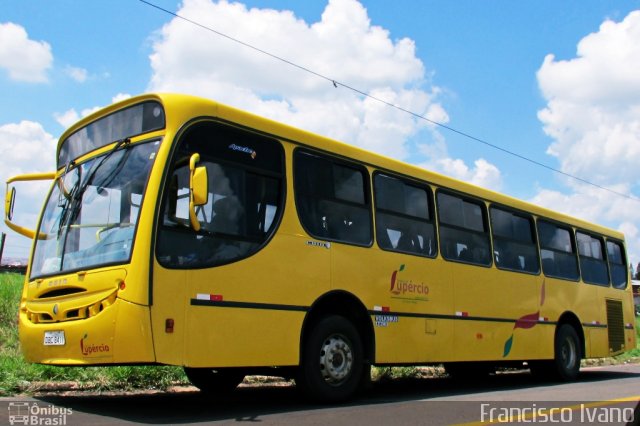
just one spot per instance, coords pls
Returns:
(90, 216)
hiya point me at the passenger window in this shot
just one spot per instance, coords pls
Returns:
(617, 264)
(593, 266)
(463, 229)
(557, 251)
(403, 217)
(331, 198)
(244, 203)
(514, 244)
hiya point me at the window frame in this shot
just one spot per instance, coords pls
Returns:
(341, 162)
(574, 247)
(530, 218)
(430, 210)
(623, 253)
(605, 260)
(170, 167)
(485, 223)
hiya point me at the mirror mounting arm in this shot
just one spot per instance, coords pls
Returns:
(10, 199)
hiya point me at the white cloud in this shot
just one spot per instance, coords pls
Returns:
(67, 118)
(25, 147)
(593, 110)
(482, 173)
(593, 117)
(78, 74)
(120, 97)
(24, 59)
(592, 204)
(343, 45)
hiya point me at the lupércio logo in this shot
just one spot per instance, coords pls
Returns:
(399, 286)
(92, 349)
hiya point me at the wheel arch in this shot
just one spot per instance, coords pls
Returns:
(571, 319)
(343, 303)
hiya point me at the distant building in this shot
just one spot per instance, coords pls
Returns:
(636, 294)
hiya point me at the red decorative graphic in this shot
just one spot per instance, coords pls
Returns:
(527, 321)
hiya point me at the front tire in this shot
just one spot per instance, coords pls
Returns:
(331, 367)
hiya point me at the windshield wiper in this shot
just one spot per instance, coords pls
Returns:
(72, 207)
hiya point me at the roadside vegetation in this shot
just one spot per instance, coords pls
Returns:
(18, 376)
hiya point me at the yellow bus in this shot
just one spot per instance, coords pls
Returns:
(185, 232)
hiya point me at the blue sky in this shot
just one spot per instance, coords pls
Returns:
(477, 66)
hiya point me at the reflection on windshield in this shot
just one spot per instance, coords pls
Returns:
(93, 224)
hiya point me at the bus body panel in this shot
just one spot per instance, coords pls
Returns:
(485, 328)
(408, 297)
(255, 318)
(168, 314)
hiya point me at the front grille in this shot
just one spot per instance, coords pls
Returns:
(615, 326)
(49, 313)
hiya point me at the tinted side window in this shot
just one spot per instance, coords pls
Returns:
(403, 216)
(557, 251)
(331, 197)
(593, 266)
(514, 244)
(464, 235)
(617, 264)
(246, 177)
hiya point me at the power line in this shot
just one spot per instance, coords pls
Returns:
(337, 84)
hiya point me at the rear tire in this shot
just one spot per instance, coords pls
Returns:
(331, 367)
(567, 353)
(566, 363)
(215, 381)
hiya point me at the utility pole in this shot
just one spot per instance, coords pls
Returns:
(2, 246)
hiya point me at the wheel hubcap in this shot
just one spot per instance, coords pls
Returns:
(336, 359)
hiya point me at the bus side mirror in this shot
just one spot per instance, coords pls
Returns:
(10, 202)
(199, 191)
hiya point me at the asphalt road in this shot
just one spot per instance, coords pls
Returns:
(606, 395)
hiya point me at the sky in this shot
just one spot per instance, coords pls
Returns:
(554, 82)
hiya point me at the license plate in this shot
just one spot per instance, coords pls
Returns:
(54, 338)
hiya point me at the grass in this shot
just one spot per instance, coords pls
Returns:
(17, 376)
(634, 353)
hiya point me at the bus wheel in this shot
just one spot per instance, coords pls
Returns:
(217, 381)
(332, 360)
(567, 353)
(566, 363)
